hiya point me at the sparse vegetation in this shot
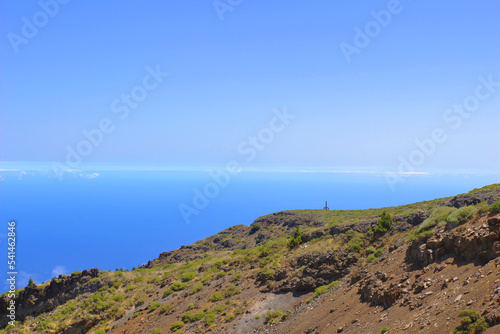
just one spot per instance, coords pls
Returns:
(461, 216)
(325, 288)
(153, 306)
(273, 317)
(224, 272)
(186, 277)
(296, 238)
(470, 322)
(384, 223)
(494, 208)
(176, 326)
(255, 227)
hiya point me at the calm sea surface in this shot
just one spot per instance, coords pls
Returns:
(123, 219)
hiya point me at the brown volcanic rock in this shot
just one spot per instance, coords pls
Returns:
(479, 241)
(319, 268)
(33, 301)
(373, 290)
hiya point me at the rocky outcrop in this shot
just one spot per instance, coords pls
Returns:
(33, 300)
(287, 219)
(308, 271)
(373, 290)
(413, 219)
(473, 199)
(477, 241)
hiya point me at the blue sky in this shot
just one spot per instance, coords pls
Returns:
(225, 78)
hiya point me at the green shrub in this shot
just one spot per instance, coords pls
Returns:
(437, 215)
(220, 308)
(384, 223)
(371, 258)
(236, 276)
(165, 308)
(325, 288)
(156, 331)
(190, 306)
(273, 317)
(206, 279)
(177, 286)
(100, 331)
(209, 319)
(470, 322)
(384, 330)
(356, 242)
(461, 215)
(320, 290)
(231, 291)
(167, 292)
(190, 316)
(370, 250)
(177, 325)
(118, 298)
(186, 277)
(255, 228)
(216, 297)
(197, 287)
(494, 208)
(138, 279)
(136, 314)
(295, 239)
(154, 305)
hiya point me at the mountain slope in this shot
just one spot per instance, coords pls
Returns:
(350, 273)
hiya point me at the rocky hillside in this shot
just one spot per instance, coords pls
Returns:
(428, 267)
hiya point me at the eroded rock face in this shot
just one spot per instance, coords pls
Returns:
(316, 269)
(479, 241)
(287, 219)
(373, 290)
(472, 199)
(33, 301)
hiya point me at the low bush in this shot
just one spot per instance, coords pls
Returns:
(356, 242)
(156, 331)
(197, 287)
(165, 308)
(154, 305)
(177, 325)
(461, 215)
(437, 215)
(190, 316)
(325, 288)
(273, 317)
(495, 207)
(231, 291)
(295, 239)
(255, 228)
(470, 322)
(384, 223)
(216, 297)
(186, 277)
(209, 319)
(177, 286)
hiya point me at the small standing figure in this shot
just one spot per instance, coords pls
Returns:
(326, 206)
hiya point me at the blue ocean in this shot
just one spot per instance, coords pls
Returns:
(122, 219)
